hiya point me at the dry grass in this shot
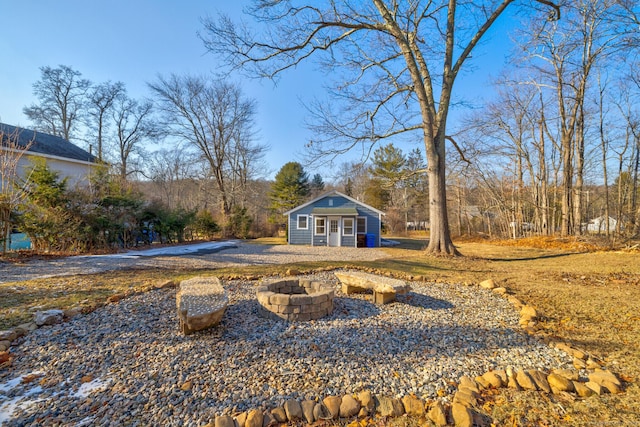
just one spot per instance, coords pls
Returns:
(590, 299)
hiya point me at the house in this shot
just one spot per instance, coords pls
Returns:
(69, 160)
(334, 219)
(599, 225)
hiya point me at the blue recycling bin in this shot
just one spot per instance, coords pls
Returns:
(371, 240)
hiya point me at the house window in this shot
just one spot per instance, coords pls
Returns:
(362, 225)
(330, 202)
(320, 227)
(347, 226)
(303, 222)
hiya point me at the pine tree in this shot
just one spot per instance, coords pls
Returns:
(290, 189)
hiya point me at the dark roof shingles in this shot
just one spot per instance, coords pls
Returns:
(44, 143)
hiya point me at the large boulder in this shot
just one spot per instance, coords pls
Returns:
(201, 303)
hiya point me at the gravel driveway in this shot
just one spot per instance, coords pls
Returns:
(237, 254)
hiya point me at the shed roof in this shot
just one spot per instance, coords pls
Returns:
(44, 144)
(333, 193)
(334, 211)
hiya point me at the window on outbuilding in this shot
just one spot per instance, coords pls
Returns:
(347, 226)
(362, 225)
(320, 227)
(303, 222)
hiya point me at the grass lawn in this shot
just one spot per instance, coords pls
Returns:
(590, 299)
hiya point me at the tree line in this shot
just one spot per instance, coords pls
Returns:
(556, 147)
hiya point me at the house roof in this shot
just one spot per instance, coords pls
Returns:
(44, 144)
(335, 211)
(334, 193)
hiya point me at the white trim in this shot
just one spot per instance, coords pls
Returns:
(306, 227)
(344, 227)
(335, 193)
(315, 225)
(28, 153)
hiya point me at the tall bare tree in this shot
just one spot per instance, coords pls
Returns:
(61, 93)
(100, 102)
(217, 120)
(133, 125)
(564, 53)
(397, 63)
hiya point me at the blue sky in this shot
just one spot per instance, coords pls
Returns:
(133, 41)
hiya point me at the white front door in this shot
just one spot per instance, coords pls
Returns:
(334, 231)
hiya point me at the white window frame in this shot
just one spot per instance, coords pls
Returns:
(324, 226)
(365, 225)
(344, 226)
(306, 227)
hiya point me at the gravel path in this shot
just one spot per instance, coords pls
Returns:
(127, 363)
(239, 254)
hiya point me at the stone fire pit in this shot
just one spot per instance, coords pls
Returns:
(295, 299)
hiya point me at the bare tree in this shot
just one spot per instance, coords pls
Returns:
(11, 194)
(397, 62)
(100, 102)
(133, 125)
(216, 119)
(564, 53)
(62, 94)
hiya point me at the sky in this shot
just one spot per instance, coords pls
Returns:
(134, 41)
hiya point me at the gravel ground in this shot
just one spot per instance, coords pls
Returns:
(127, 363)
(240, 254)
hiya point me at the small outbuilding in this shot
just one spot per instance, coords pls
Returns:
(334, 219)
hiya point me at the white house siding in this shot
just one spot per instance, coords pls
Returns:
(76, 172)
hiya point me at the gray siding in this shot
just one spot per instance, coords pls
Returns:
(304, 237)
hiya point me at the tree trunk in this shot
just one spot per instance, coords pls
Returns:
(440, 236)
(567, 186)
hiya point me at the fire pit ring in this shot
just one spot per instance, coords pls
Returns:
(295, 299)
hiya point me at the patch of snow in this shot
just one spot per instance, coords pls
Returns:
(172, 250)
(8, 408)
(86, 389)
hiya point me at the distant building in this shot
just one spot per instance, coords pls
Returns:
(599, 225)
(69, 160)
(334, 219)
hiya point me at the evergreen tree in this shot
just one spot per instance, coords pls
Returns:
(291, 188)
(316, 186)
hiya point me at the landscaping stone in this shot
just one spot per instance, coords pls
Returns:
(349, 407)
(559, 383)
(307, 410)
(389, 407)
(540, 379)
(462, 415)
(582, 390)
(493, 379)
(224, 421)
(321, 412)
(279, 414)
(367, 401)
(333, 405)
(293, 410)
(254, 418)
(201, 303)
(48, 317)
(438, 414)
(525, 381)
(8, 335)
(413, 406)
(488, 284)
